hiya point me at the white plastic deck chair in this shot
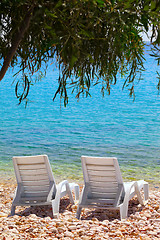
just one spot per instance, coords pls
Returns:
(36, 184)
(104, 187)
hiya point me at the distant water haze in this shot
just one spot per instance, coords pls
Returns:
(110, 126)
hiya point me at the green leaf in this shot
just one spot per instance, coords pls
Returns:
(153, 5)
(73, 60)
(144, 20)
(112, 1)
(59, 3)
(51, 14)
(146, 8)
(85, 33)
(100, 3)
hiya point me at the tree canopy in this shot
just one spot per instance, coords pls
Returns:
(91, 41)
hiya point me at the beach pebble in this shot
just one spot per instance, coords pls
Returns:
(2, 214)
(72, 227)
(156, 207)
(147, 215)
(54, 230)
(68, 234)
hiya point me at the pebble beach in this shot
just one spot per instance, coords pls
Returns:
(143, 222)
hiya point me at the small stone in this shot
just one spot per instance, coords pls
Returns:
(156, 220)
(94, 219)
(60, 236)
(68, 234)
(105, 223)
(13, 231)
(156, 207)
(72, 227)
(54, 230)
(118, 233)
(152, 233)
(61, 229)
(35, 230)
(147, 215)
(74, 207)
(85, 237)
(3, 214)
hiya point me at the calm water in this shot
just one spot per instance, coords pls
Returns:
(109, 126)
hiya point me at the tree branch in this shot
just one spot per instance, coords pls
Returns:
(16, 41)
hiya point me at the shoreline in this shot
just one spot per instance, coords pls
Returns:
(9, 176)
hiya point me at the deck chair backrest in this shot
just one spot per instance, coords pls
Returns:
(34, 176)
(103, 177)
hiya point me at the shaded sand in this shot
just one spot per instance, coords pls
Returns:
(38, 223)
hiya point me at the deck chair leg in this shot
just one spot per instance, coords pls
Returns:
(78, 213)
(56, 201)
(69, 193)
(146, 191)
(13, 208)
(55, 207)
(76, 191)
(138, 194)
(123, 211)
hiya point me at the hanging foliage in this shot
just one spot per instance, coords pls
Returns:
(92, 41)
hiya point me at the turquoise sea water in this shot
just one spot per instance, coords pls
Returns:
(109, 126)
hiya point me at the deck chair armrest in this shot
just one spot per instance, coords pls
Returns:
(62, 187)
(128, 189)
(144, 185)
(75, 187)
(128, 192)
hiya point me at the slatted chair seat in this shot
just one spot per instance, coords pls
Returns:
(36, 184)
(104, 187)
